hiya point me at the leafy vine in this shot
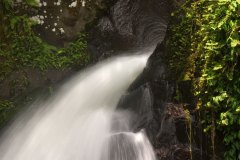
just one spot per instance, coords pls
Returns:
(206, 45)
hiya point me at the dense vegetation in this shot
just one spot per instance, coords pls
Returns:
(205, 48)
(21, 49)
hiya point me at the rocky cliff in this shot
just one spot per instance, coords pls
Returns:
(172, 127)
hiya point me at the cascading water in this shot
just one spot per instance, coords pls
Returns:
(80, 123)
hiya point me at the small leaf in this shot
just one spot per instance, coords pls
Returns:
(238, 109)
(234, 42)
(219, 66)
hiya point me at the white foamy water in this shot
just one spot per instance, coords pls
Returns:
(75, 124)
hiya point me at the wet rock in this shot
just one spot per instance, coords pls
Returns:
(105, 26)
(179, 152)
(171, 127)
(129, 24)
(139, 104)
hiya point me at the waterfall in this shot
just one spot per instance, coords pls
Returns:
(80, 121)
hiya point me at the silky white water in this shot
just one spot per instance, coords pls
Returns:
(76, 123)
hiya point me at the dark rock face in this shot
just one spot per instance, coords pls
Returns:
(130, 24)
(139, 104)
(135, 24)
(171, 128)
(61, 21)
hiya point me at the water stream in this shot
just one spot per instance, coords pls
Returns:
(80, 121)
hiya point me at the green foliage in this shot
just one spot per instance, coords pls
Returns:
(21, 49)
(214, 57)
(179, 44)
(182, 57)
(7, 4)
(6, 108)
(75, 54)
(221, 71)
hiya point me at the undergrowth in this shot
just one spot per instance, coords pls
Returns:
(21, 48)
(205, 48)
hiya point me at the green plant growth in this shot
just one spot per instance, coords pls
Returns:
(205, 48)
(6, 109)
(21, 49)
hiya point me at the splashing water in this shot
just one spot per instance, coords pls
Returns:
(76, 124)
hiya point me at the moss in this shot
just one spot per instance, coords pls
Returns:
(21, 49)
